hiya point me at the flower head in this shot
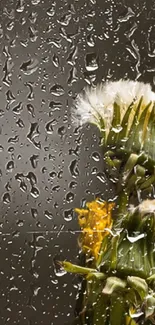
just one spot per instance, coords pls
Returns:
(99, 102)
(93, 220)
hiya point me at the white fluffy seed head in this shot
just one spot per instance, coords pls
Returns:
(98, 102)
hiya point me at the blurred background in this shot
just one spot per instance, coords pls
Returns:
(49, 51)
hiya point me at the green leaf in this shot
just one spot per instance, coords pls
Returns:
(72, 268)
(139, 285)
(149, 306)
(113, 284)
(115, 126)
(117, 310)
(134, 142)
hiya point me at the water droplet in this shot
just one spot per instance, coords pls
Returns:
(136, 236)
(55, 60)
(30, 66)
(34, 160)
(48, 215)
(18, 108)
(72, 56)
(62, 131)
(1, 112)
(32, 178)
(51, 11)
(130, 13)
(73, 168)
(56, 188)
(36, 290)
(49, 127)
(34, 192)
(65, 19)
(101, 177)
(34, 213)
(20, 223)
(10, 166)
(33, 133)
(23, 186)
(20, 6)
(91, 62)
(90, 40)
(10, 97)
(14, 139)
(30, 96)
(33, 17)
(54, 41)
(6, 198)
(55, 106)
(33, 34)
(69, 197)
(95, 156)
(35, 2)
(9, 64)
(72, 76)
(57, 90)
(52, 174)
(30, 109)
(68, 215)
(20, 123)
(58, 269)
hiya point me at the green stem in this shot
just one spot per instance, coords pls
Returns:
(72, 268)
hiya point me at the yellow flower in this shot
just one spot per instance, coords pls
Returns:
(93, 220)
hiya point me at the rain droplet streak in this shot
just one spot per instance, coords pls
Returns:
(30, 66)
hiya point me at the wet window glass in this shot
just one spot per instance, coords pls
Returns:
(50, 51)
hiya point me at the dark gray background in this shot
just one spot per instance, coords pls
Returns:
(49, 51)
